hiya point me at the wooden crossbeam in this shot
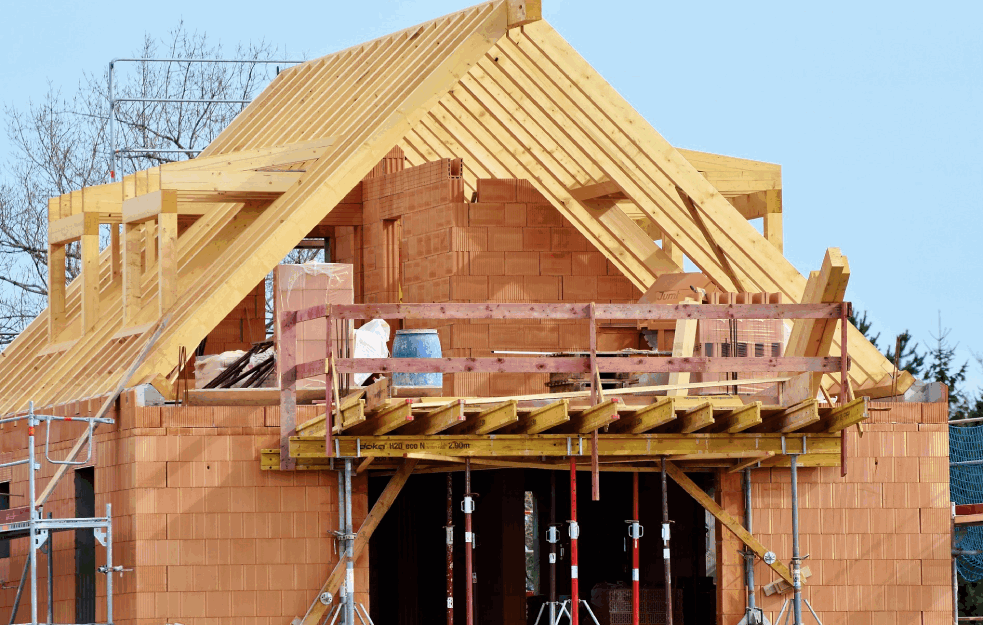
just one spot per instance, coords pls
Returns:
(841, 417)
(488, 420)
(750, 461)
(554, 445)
(591, 419)
(541, 419)
(146, 207)
(398, 414)
(256, 158)
(740, 419)
(791, 419)
(382, 505)
(724, 517)
(597, 190)
(204, 181)
(435, 421)
(692, 420)
(645, 419)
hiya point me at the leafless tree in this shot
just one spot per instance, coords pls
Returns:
(60, 144)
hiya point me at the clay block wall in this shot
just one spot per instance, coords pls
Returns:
(302, 286)
(879, 539)
(509, 246)
(210, 537)
(242, 327)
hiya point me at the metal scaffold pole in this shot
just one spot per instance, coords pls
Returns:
(31, 545)
(635, 532)
(665, 544)
(450, 548)
(30, 521)
(574, 535)
(468, 507)
(752, 611)
(349, 546)
(553, 537)
(796, 560)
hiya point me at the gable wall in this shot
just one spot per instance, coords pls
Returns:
(421, 241)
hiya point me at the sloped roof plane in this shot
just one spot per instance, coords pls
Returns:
(492, 84)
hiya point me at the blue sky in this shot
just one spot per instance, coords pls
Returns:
(873, 109)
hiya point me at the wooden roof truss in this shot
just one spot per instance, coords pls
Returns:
(492, 84)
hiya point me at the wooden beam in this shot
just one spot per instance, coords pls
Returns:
(167, 260)
(541, 419)
(724, 517)
(66, 229)
(740, 419)
(522, 12)
(435, 421)
(398, 414)
(317, 610)
(791, 419)
(645, 419)
(750, 462)
(146, 207)
(115, 252)
(57, 258)
(132, 273)
(489, 419)
(592, 191)
(841, 417)
(773, 220)
(205, 181)
(692, 420)
(256, 158)
(555, 445)
(89, 249)
(591, 419)
(683, 344)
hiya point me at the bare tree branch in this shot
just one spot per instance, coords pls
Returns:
(61, 144)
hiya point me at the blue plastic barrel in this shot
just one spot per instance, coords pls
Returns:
(417, 344)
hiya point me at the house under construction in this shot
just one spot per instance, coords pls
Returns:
(610, 439)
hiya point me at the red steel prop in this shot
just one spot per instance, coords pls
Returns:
(636, 533)
(574, 534)
(468, 543)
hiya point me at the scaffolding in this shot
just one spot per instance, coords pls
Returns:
(114, 151)
(29, 522)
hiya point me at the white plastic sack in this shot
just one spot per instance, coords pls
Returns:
(207, 368)
(371, 342)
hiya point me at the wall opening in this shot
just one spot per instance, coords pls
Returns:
(4, 505)
(85, 547)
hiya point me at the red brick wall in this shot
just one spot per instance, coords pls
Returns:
(879, 540)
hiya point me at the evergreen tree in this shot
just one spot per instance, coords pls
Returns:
(861, 323)
(910, 360)
(941, 368)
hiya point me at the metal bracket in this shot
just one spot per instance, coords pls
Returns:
(40, 538)
(574, 530)
(100, 535)
(635, 530)
(467, 506)
(553, 534)
(665, 532)
(325, 598)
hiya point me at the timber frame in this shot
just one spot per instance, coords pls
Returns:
(493, 84)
